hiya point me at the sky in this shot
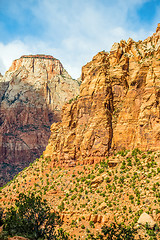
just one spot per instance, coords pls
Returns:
(72, 31)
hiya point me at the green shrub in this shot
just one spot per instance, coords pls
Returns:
(91, 223)
(73, 197)
(83, 227)
(135, 152)
(123, 166)
(61, 207)
(115, 232)
(32, 218)
(131, 197)
(118, 231)
(123, 153)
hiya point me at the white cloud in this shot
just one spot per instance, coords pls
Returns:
(9, 52)
(74, 31)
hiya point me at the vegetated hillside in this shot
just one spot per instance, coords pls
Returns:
(118, 106)
(32, 93)
(120, 188)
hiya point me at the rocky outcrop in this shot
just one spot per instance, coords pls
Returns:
(118, 107)
(95, 218)
(86, 129)
(32, 93)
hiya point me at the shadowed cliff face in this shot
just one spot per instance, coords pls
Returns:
(118, 106)
(32, 94)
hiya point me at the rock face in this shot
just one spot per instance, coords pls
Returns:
(32, 93)
(86, 127)
(118, 107)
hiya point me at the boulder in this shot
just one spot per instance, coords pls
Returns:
(146, 219)
(102, 206)
(99, 218)
(99, 179)
(94, 218)
(105, 218)
(87, 217)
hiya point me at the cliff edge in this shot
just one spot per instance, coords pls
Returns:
(118, 106)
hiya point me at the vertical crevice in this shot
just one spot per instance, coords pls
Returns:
(33, 65)
(110, 108)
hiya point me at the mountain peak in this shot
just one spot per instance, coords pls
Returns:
(40, 56)
(158, 27)
(31, 98)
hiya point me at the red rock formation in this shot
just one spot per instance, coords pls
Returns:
(32, 94)
(118, 106)
(86, 129)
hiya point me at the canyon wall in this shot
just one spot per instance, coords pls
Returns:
(118, 106)
(32, 93)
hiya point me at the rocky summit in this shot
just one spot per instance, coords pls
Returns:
(32, 93)
(118, 106)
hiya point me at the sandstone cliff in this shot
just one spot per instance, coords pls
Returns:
(32, 93)
(118, 106)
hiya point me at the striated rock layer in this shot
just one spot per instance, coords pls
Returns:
(32, 93)
(118, 107)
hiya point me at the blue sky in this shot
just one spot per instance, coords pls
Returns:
(71, 30)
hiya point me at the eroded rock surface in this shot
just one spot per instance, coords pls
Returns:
(32, 93)
(118, 107)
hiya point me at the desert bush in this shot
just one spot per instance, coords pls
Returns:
(32, 218)
(1, 214)
(115, 232)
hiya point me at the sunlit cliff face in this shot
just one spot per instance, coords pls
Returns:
(118, 107)
(32, 94)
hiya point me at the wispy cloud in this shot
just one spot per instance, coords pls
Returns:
(11, 51)
(71, 30)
